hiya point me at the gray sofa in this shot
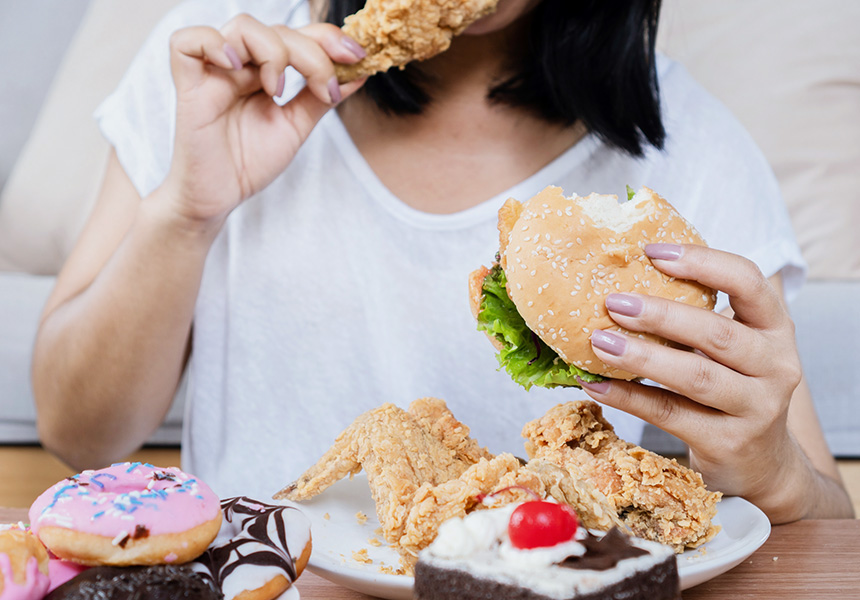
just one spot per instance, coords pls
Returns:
(50, 131)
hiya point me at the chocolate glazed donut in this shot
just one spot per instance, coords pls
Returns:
(259, 552)
(158, 582)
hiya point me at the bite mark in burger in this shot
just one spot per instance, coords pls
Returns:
(558, 259)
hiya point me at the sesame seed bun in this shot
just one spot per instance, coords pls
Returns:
(563, 256)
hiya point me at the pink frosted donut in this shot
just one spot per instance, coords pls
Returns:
(23, 565)
(127, 514)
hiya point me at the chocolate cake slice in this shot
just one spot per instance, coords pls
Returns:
(473, 559)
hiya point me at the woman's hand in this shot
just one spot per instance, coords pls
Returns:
(232, 139)
(729, 399)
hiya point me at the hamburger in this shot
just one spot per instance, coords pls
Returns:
(559, 257)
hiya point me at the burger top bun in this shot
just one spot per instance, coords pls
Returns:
(563, 256)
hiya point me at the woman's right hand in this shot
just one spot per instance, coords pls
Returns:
(232, 139)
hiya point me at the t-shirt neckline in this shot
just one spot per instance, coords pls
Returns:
(549, 174)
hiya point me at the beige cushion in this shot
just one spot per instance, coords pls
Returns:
(56, 178)
(790, 71)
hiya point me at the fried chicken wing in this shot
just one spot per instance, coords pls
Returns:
(395, 32)
(400, 451)
(655, 497)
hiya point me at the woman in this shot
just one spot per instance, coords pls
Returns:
(322, 254)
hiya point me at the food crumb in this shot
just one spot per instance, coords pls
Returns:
(361, 518)
(775, 558)
(326, 516)
(361, 556)
(374, 542)
(390, 570)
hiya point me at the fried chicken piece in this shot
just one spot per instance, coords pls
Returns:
(400, 451)
(434, 504)
(655, 497)
(395, 32)
(594, 509)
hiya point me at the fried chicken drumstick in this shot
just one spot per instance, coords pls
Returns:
(395, 32)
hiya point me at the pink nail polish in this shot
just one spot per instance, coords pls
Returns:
(609, 342)
(599, 387)
(282, 82)
(334, 91)
(625, 304)
(354, 47)
(233, 57)
(664, 251)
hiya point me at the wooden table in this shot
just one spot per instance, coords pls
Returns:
(807, 560)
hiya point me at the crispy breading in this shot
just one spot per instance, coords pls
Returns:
(395, 32)
(655, 497)
(433, 415)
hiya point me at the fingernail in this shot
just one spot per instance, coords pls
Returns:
(282, 82)
(233, 57)
(353, 46)
(609, 342)
(334, 90)
(664, 251)
(600, 387)
(625, 304)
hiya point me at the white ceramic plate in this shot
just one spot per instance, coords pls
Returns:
(338, 534)
(291, 594)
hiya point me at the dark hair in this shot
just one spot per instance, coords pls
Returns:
(588, 60)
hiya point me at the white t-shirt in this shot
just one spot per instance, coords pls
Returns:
(325, 296)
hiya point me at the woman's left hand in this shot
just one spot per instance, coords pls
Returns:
(729, 398)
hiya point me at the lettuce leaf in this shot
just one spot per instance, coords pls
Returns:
(526, 358)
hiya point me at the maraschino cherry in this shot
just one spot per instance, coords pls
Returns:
(538, 523)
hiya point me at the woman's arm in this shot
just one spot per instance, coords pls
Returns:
(739, 401)
(115, 331)
(111, 345)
